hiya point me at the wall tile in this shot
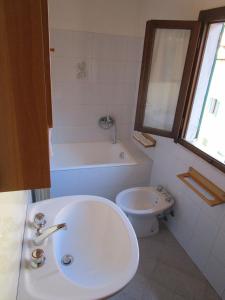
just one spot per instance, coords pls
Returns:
(64, 69)
(70, 94)
(79, 115)
(121, 113)
(184, 209)
(216, 213)
(204, 235)
(110, 86)
(81, 44)
(123, 93)
(108, 71)
(134, 48)
(182, 231)
(61, 41)
(73, 134)
(71, 44)
(100, 93)
(131, 72)
(218, 250)
(109, 47)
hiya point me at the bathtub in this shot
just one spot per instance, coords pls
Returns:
(102, 169)
(90, 155)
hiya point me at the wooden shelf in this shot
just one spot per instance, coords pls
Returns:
(144, 138)
(203, 187)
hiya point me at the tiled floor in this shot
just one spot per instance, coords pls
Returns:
(166, 273)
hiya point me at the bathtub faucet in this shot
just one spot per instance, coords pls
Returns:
(108, 122)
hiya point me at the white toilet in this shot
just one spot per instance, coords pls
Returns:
(142, 205)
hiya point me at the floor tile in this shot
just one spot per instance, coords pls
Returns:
(156, 291)
(150, 248)
(209, 294)
(166, 272)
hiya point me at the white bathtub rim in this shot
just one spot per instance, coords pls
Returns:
(92, 166)
(100, 164)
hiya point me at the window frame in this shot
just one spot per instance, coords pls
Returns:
(206, 17)
(151, 26)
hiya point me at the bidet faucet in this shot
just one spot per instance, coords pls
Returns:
(42, 235)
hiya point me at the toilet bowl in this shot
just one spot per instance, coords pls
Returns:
(142, 205)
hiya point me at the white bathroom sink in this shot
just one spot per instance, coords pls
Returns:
(99, 238)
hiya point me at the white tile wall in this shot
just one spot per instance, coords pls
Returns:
(200, 229)
(215, 273)
(12, 217)
(219, 245)
(113, 64)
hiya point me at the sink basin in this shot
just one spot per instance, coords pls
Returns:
(99, 239)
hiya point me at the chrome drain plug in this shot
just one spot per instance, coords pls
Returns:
(67, 260)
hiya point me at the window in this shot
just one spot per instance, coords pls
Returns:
(204, 118)
(166, 68)
(182, 84)
(207, 121)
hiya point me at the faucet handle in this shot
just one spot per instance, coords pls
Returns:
(37, 258)
(39, 221)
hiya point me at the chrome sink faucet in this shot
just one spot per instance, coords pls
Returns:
(41, 234)
(47, 232)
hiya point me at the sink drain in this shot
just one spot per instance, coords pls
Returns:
(67, 260)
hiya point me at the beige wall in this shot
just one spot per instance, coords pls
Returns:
(173, 9)
(206, 4)
(102, 16)
(12, 217)
(167, 10)
(123, 17)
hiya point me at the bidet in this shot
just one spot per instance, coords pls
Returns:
(143, 205)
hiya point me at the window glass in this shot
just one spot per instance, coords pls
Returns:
(207, 122)
(168, 59)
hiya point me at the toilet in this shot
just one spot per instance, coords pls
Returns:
(142, 205)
